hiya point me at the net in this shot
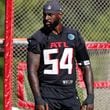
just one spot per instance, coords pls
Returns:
(91, 18)
(99, 54)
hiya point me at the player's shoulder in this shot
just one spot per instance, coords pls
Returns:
(70, 30)
(38, 35)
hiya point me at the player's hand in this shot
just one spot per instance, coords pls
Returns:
(87, 107)
(41, 107)
(40, 104)
(88, 104)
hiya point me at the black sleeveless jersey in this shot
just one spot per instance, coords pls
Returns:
(59, 54)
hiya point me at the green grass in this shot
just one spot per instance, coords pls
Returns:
(1, 82)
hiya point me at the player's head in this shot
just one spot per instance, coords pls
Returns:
(52, 14)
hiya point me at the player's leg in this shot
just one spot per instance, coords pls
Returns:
(51, 98)
(72, 103)
(53, 104)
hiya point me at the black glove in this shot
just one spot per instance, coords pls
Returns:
(89, 99)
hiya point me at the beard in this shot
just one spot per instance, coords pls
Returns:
(51, 26)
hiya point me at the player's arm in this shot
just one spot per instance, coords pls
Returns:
(85, 66)
(33, 61)
(86, 69)
(32, 68)
(88, 79)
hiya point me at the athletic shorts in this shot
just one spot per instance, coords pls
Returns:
(60, 99)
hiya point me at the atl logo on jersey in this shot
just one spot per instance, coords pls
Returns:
(58, 44)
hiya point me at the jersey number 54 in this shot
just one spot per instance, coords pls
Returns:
(66, 61)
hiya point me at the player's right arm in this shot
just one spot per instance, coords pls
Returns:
(32, 67)
(33, 62)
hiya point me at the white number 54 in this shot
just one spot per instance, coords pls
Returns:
(64, 63)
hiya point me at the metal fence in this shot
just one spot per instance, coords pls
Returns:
(90, 17)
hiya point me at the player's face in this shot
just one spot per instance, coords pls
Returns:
(51, 20)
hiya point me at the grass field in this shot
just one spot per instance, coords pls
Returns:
(1, 82)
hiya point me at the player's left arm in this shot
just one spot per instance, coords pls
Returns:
(86, 69)
(84, 63)
(88, 79)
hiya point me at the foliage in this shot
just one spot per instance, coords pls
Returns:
(2, 15)
(26, 17)
(90, 17)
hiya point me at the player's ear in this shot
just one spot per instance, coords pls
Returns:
(60, 15)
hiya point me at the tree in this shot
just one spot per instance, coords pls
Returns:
(2, 16)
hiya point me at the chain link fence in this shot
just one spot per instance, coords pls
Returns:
(90, 17)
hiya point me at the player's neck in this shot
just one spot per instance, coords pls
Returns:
(58, 29)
